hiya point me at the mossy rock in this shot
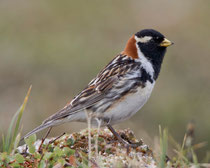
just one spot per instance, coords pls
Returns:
(73, 151)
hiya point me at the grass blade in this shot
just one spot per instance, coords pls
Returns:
(164, 146)
(9, 141)
(9, 133)
(20, 113)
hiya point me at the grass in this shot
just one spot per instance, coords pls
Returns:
(185, 155)
(76, 151)
(163, 146)
(11, 140)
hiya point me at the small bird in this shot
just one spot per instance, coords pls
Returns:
(120, 89)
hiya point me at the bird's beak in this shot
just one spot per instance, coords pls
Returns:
(166, 43)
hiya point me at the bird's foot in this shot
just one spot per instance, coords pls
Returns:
(124, 139)
(130, 143)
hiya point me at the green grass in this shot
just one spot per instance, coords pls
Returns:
(184, 154)
(163, 146)
(11, 140)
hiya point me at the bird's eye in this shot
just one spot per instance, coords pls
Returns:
(157, 39)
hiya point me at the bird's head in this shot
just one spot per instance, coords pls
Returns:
(149, 42)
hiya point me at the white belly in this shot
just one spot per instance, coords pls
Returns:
(131, 104)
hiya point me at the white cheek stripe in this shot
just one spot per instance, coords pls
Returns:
(145, 63)
(144, 39)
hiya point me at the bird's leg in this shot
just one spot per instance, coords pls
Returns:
(125, 143)
(43, 139)
(116, 134)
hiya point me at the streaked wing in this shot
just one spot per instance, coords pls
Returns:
(88, 97)
(97, 88)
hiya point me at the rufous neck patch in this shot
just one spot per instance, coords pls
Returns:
(130, 48)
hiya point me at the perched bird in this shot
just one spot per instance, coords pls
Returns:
(121, 88)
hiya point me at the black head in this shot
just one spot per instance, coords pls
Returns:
(152, 45)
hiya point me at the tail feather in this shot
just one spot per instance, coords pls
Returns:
(46, 124)
(37, 129)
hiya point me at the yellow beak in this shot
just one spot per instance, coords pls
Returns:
(166, 43)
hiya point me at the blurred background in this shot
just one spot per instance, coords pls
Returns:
(59, 46)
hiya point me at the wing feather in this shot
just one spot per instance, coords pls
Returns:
(97, 88)
(90, 96)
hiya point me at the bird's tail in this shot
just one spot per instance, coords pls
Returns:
(37, 129)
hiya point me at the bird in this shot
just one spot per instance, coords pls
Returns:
(120, 89)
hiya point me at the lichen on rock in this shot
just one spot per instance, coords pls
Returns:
(72, 151)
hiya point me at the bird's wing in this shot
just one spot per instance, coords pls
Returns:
(97, 88)
(88, 97)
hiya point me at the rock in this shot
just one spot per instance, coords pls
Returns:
(73, 150)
